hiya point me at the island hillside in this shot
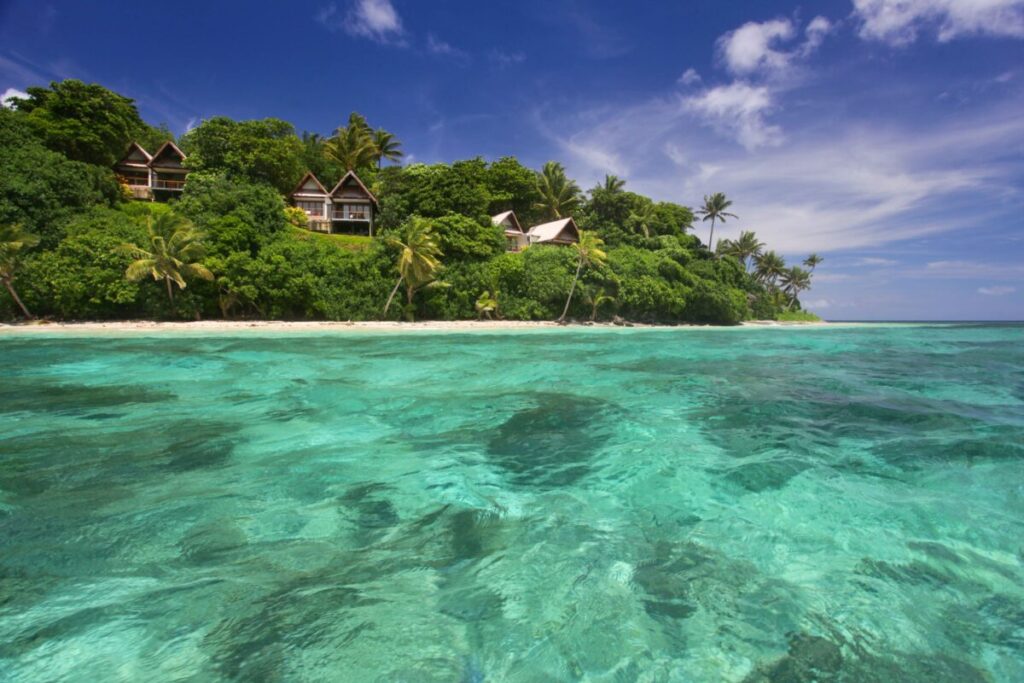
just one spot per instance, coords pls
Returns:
(104, 217)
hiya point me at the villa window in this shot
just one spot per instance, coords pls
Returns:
(311, 208)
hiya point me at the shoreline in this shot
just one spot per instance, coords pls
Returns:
(278, 326)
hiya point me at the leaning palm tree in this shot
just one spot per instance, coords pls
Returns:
(388, 146)
(175, 249)
(794, 280)
(559, 196)
(613, 184)
(418, 259)
(588, 253)
(747, 247)
(352, 146)
(768, 267)
(812, 261)
(13, 241)
(714, 209)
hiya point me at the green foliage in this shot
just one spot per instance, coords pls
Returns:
(83, 122)
(235, 215)
(462, 238)
(40, 189)
(512, 187)
(261, 151)
(798, 317)
(557, 195)
(83, 277)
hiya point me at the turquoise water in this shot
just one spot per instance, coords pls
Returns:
(842, 504)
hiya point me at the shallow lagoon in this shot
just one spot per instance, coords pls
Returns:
(611, 505)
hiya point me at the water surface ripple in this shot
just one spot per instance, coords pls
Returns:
(604, 505)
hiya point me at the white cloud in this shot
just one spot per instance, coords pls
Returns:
(751, 46)
(373, 19)
(738, 109)
(898, 22)
(505, 59)
(436, 46)
(973, 270)
(757, 47)
(830, 187)
(816, 30)
(673, 152)
(875, 261)
(9, 93)
(998, 290)
(689, 77)
(818, 304)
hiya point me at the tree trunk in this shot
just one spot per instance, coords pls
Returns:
(17, 299)
(410, 292)
(711, 237)
(572, 290)
(392, 296)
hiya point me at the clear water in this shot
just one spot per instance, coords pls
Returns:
(654, 505)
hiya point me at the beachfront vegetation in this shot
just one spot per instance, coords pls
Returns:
(244, 254)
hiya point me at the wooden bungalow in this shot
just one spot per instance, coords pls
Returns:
(153, 177)
(562, 231)
(314, 199)
(348, 208)
(515, 238)
(169, 172)
(133, 171)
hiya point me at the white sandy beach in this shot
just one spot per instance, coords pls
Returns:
(235, 326)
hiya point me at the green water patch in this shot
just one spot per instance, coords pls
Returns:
(760, 505)
(553, 439)
(28, 394)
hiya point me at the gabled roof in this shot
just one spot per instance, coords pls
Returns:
(508, 220)
(353, 176)
(169, 145)
(547, 232)
(305, 180)
(135, 156)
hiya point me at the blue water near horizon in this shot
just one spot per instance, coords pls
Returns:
(798, 504)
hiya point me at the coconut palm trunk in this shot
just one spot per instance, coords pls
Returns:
(572, 290)
(391, 296)
(17, 299)
(711, 237)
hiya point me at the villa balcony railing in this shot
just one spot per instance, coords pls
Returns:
(350, 215)
(161, 184)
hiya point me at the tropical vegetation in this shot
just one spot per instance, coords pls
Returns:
(73, 245)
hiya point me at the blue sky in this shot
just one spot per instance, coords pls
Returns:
(887, 135)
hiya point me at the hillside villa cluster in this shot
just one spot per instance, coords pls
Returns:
(349, 207)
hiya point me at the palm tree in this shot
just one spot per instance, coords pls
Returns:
(486, 304)
(714, 209)
(13, 240)
(588, 253)
(726, 248)
(644, 218)
(418, 259)
(795, 280)
(388, 146)
(747, 247)
(175, 248)
(768, 267)
(559, 196)
(613, 184)
(812, 261)
(353, 146)
(594, 297)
